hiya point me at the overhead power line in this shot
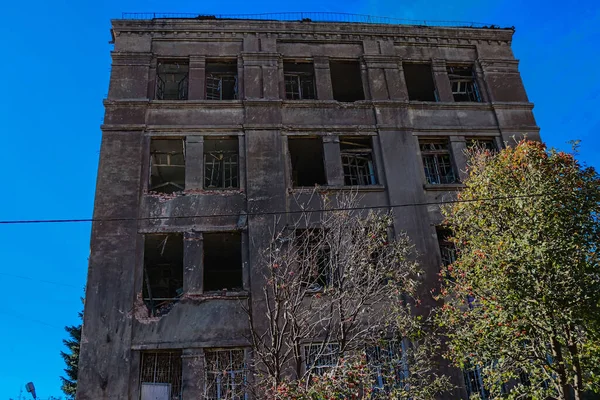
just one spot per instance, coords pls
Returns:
(261, 213)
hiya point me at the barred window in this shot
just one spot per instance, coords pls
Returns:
(172, 80)
(221, 163)
(474, 383)
(320, 357)
(357, 160)
(437, 162)
(299, 81)
(221, 80)
(160, 375)
(447, 249)
(464, 85)
(226, 374)
(387, 366)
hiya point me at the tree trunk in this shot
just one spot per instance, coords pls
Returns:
(574, 352)
(565, 389)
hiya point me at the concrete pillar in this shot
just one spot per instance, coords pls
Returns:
(323, 78)
(458, 147)
(333, 161)
(442, 82)
(193, 263)
(192, 373)
(397, 82)
(194, 162)
(480, 82)
(197, 76)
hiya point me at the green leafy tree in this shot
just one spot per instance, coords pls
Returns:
(522, 300)
(71, 358)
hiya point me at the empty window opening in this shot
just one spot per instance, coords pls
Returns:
(221, 163)
(437, 162)
(387, 366)
(306, 155)
(221, 80)
(225, 374)
(464, 85)
(314, 259)
(167, 169)
(447, 249)
(346, 81)
(419, 82)
(299, 81)
(163, 271)
(357, 160)
(482, 144)
(321, 358)
(222, 261)
(160, 375)
(172, 80)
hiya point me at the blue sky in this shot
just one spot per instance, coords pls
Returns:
(55, 72)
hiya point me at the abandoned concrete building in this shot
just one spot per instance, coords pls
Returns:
(229, 117)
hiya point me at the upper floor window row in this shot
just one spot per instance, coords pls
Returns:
(221, 81)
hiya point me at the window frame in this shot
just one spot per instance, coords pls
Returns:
(471, 88)
(350, 159)
(182, 84)
(437, 163)
(333, 353)
(175, 371)
(169, 154)
(233, 165)
(231, 373)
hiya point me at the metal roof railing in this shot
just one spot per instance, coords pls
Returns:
(308, 17)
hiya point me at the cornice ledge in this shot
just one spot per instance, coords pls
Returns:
(125, 102)
(504, 105)
(363, 129)
(195, 128)
(421, 105)
(122, 127)
(178, 104)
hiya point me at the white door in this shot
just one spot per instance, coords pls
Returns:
(156, 391)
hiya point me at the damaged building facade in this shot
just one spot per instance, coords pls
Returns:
(212, 124)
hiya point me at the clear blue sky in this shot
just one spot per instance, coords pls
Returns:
(55, 72)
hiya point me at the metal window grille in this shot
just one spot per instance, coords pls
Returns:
(299, 86)
(221, 170)
(464, 86)
(474, 383)
(387, 365)
(221, 87)
(162, 368)
(320, 358)
(226, 374)
(172, 81)
(357, 161)
(167, 172)
(437, 162)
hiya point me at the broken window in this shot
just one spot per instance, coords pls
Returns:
(222, 261)
(482, 143)
(387, 366)
(321, 358)
(163, 271)
(314, 259)
(464, 85)
(437, 162)
(221, 163)
(447, 249)
(167, 169)
(226, 374)
(306, 155)
(172, 80)
(346, 81)
(357, 160)
(221, 80)
(419, 82)
(474, 383)
(160, 375)
(299, 81)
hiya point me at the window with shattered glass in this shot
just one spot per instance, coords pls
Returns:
(221, 163)
(463, 83)
(299, 81)
(167, 169)
(221, 81)
(437, 162)
(172, 80)
(357, 161)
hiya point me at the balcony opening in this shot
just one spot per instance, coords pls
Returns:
(221, 163)
(160, 375)
(308, 167)
(357, 160)
(221, 80)
(299, 81)
(172, 80)
(437, 162)
(419, 82)
(464, 85)
(163, 271)
(222, 261)
(346, 81)
(167, 169)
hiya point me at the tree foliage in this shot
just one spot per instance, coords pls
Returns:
(522, 299)
(71, 358)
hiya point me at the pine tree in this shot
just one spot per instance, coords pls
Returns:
(71, 357)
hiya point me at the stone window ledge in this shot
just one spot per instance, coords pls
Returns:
(448, 187)
(360, 188)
